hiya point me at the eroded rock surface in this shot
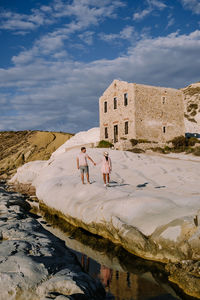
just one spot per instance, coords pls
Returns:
(34, 264)
(187, 275)
(192, 107)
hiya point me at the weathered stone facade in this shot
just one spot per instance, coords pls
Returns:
(129, 110)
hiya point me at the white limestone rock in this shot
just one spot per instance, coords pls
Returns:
(146, 193)
(34, 264)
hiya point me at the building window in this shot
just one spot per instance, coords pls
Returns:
(115, 133)
(106, 132)
(164, 100)
(125, 99)
(126, 127)
(164, 129)
(105, 107)
(115, 103)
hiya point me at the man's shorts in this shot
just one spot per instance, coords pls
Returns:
(84, 169)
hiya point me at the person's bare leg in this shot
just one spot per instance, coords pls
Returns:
(104, 178)
(88, 179)
(108, 178)
(82, 178)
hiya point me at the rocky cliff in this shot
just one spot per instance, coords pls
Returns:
(192, 107)
(19, 147)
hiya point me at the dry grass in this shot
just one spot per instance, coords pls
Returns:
(19, 147)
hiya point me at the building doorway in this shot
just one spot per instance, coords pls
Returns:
(115, 133)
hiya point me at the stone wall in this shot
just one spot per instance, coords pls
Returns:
(120, 115)
(152, 113)
(159, 113)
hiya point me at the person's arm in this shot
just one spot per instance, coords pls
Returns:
(91, 160)
(77, 161)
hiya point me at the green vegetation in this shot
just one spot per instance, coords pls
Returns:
(123, 138)
(197, 151)
(167, 149)
(104, 144)
(180, 144)
(144, 141)
(134, 142)
(136, 150)
(159, 150)
(192, 141)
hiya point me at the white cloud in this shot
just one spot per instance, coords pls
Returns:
(157, 4)
(171, 21)
(151, 6)
(87, 12)
(24, 23)
(82, 15)
(87, 37)
(193, 5)
(82, 12)
(14, 21)
(63, 94)
(140, 15)
(125, 34)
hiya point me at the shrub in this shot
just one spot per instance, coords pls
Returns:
(167, 149)
(134, 142)
(158, 149)
(143, 141)
(179, 150)
(192, 141)
(179, 142)
(104, 144)
(197, 151)
(123, 138)
(136, 150)
(189, 150)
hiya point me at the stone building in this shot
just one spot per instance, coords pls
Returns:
(130, 110)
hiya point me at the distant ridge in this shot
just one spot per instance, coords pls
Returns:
(19, 147)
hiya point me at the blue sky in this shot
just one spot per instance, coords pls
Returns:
(58, 56)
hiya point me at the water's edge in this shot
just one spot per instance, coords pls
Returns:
(176, 272)
(35, 264)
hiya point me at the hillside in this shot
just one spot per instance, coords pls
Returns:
(192, 107)
(19, 147)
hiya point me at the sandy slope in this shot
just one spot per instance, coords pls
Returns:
(17, 148)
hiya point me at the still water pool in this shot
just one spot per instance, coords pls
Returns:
(123, 275)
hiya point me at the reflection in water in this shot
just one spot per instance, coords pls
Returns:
(85, 261)
(124, 276)
(105, 276)
(120, 285)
